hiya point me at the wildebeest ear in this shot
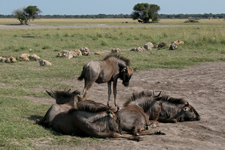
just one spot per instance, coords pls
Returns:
(124, 69)
(51, 94)
(79, 98)
(130, 70)
(135, 69)
(186, 104)
(76, 92)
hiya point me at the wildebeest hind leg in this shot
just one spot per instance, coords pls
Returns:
(86, 88)
(168, 120)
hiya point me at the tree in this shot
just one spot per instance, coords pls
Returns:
(26, 14)
(31, 12)
(19, 15)
(145, 12)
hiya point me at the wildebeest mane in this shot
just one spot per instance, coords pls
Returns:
(171, 100)
(137, 96)
(91, 106)
(126, 60)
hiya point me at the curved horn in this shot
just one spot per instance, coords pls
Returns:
(159, 94)
(153, 93)
(67, 90)
(51, 94)
(187, 104)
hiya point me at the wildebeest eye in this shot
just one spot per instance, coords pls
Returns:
(186, 109)
(127, 77)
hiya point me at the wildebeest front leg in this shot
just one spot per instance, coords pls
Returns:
(114, 93)
(114, 135)
(149, 132)
(168, 120)
(109, 92)
(130, 137)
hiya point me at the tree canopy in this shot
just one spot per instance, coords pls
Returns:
(144, 12)
(26, 14)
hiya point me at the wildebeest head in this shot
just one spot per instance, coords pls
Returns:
(126, 74)
(63, 97)
(188, 113)
(114, 120)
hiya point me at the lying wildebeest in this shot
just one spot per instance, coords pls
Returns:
(164, 108)
(107, 70)
(88, 118)
(134, 119)
(90, 121)
(83, 118)
(65, 100)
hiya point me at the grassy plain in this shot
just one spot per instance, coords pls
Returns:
(27, 79)
(14, 21)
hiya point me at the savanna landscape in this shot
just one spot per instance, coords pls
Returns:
(194, 71)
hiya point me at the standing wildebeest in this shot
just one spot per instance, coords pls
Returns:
(164, 108)
(107, 70)
(64, 102)
(134, 119)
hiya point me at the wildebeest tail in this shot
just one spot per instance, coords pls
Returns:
(81, 77)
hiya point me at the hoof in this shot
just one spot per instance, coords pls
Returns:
(117, 108)
(174, 120)
(136, 138)
(140, 139)
(37, 121)
(160, 133)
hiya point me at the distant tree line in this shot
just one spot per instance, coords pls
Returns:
(185, 16)
(161, 16)
(77, 16)
(88, 16)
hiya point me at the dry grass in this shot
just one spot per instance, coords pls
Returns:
(108, 21)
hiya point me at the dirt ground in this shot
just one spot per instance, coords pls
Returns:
(202, 85)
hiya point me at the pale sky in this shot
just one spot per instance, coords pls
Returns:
(90, 7)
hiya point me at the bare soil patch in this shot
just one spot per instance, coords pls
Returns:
(202, 85)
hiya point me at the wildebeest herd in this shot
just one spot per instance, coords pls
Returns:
(76, 115)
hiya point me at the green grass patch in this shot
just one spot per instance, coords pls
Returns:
(17, 128)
